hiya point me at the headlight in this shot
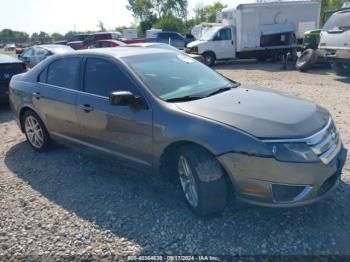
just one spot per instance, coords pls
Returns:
(294, 152)
(194, 50)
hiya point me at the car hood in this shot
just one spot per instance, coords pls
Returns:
(261, 113)
(196, 43)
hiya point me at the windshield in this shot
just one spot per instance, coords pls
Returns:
(338, 21)
(170, 75)
(209, 33)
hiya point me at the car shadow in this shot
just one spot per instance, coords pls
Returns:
(150, 212)
(5, 113)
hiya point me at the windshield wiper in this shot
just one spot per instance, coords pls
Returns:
(218, 91)
(184, 98)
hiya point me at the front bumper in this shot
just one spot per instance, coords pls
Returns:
(256, 179)
(335, 54)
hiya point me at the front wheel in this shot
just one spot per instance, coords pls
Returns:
(209, 59)
(202, 179)
(35, 131)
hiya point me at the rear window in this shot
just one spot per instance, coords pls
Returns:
(65, 73)
(338, 21)
(8, 70)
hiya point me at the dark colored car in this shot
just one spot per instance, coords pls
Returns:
(106, 43)
(166, 113)
(9, 67)
(173, 38)
(80, 37)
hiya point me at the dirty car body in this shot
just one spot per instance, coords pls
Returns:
(275, 150)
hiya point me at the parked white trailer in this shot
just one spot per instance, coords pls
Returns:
(258, 30)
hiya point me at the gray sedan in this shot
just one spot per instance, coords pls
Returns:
(35, 54)
(163, 112)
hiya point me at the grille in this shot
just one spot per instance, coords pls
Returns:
(325, 144)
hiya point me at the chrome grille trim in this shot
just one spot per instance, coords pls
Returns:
(326, 143)
(313, 139)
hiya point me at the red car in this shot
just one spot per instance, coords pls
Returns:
(102, 36)
(105, 43)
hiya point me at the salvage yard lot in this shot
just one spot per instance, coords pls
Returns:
(66, 203)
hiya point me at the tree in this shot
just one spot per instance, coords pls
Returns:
(101, 26)
(141, 9)
(57, 37)
(170, 23)
(144, 9)
(208, 13)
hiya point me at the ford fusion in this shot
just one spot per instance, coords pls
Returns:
(165, 113)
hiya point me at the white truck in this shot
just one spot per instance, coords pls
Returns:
(258, 30)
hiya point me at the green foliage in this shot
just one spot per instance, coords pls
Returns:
(207, 13)
(170, 23)
(329, 5)
(57, 37)
(10, 36)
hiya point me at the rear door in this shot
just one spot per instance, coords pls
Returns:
(122, 131)
(59, 84)
(224, 44)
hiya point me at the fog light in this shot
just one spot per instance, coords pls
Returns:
(287, 193)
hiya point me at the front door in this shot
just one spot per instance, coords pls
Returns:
(123, 131)
(224, 44)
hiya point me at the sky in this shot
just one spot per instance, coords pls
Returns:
(77, 15)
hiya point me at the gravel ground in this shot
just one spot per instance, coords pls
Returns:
(64, 203)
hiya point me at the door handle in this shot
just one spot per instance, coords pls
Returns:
(86, 107)
(37, 95)
(232, 42)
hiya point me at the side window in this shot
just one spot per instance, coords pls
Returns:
(103, 77)
(64, 73)
(223, 34)
(176, 37)
(42, 76)
(106, 44)
(28, 53)
(41, 52)
(164, 36)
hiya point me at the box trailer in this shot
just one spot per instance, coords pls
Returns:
(259, 30)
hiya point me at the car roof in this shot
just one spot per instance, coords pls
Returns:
(5, 59)
(56, 49)
(110, 32)
(146, 44)
(121, 52)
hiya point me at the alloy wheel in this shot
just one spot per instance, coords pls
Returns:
(34, 132)
(188, 182)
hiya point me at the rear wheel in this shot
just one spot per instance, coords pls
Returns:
(35, 131)
(202, 179)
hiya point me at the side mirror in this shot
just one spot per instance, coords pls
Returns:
(122, 98)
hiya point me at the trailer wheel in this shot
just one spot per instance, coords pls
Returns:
(306, 60)
(209, 58)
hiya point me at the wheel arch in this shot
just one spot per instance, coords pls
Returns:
(21, 113)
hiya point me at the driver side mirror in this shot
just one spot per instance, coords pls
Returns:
(122, 98)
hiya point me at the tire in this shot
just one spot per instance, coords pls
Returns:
(35, 131)
(342, 68)
(209, 194)
(209, 58)
(306, 60)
